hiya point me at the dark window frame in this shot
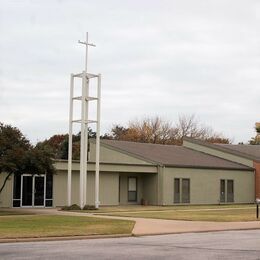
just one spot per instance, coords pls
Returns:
(177, 195)
(230, 195)
(182, 197)
(128, 191)
(222, 195)
(17, 191)
(48, 199)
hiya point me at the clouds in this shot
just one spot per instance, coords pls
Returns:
(156, 57)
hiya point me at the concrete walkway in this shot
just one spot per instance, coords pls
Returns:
(147, 226)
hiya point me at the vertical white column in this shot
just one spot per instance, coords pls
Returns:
(70, 140)
(85, 178)
(82, 141)
(97, 143)
(86, 57)
(86, 126)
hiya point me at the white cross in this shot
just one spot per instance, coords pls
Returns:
(87, 44)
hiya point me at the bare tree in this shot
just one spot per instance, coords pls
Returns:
(159, 131)
(150, 130)
(189, 126)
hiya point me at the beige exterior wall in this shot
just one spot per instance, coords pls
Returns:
(224, 155)
(109, 183)
(63, 165)
(7, 193)
(150, 188)
(109, 188)
(112, 156)
(205, 185)
(160, 185)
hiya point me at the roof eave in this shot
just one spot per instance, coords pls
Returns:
(209, 167)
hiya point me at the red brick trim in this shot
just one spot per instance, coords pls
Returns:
(257, 179)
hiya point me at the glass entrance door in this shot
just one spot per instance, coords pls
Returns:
(39, 191)
(33, 190)
(27, 190)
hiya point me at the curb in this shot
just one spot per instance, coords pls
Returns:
(193, 231)
(65, 238)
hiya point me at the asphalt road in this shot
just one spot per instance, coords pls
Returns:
(213, 245)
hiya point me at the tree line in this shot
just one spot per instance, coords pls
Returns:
(147, 130)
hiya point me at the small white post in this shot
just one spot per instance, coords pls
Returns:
(97, 143)
(70, 140)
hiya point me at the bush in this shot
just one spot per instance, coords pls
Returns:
(72, 207)
(89, 207)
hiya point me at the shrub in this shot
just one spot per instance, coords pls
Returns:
(89, 207)
(72, 207)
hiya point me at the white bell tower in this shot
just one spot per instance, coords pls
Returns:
(84, 121)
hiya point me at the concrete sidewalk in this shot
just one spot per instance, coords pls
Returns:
(158, 226)
(147, 226)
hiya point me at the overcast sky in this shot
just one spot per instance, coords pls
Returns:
(159, 57)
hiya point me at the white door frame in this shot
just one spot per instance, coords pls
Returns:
(33, 190)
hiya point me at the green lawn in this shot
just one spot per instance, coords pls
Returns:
(195, 214)
(137, 208)
(46, 225)
(13, 212)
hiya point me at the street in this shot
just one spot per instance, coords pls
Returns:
(211, 245)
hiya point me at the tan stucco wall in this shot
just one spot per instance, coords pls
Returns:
(160, 185)
(113, 156)
(224, 155)
(63, 165)
(109, 183)
(150, 188)
(205, 185)
(6, 194)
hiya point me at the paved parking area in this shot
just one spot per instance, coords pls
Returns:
(211, 245)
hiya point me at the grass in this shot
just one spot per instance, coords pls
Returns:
(54, 225)
(13, 212)
(196, 214)
(137, 208)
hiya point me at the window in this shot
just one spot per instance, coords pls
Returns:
(185, 196)
(48, 195)
(132, 189)
(230, 191)
(222, 191)
(17, 191)
(181, 190)
(226, 191)
(176, 190)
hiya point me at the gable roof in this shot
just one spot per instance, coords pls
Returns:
(246, 151)
(172, 155)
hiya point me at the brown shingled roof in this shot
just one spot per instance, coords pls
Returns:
(250, 150)
(247, 151)
(172, 155)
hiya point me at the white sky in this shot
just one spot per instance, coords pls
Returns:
(159, 57)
